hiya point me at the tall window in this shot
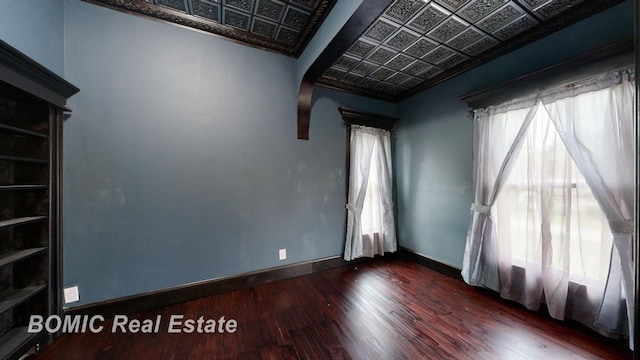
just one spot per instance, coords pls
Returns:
(370, 219)
(553, 210)
(549, 226)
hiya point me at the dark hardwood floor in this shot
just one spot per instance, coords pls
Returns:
(388, 308)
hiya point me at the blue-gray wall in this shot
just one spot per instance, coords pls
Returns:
(433, 138)
(36, 28)
(181, 158)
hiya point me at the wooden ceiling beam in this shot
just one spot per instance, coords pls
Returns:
(361, 19)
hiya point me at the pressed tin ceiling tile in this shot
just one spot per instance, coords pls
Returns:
(410, 46)
(295, 18)
(478, 9)
(381, 55)
(402, 39)
(413, 44)
(334, 73)
(264, 28)
(453, 4)
(480, 46)
(412, 81)
(283, 26)
(398, 78)
(417, 68)
(368, 82)
(270, 9)
(448, 29)
(431, 16)
(286, 35)
(361, 48)
(399, 62)
(244, 5)
(535, 4)
(402, 10)
(556, 7)
(206, 10)
(382, 73)
(346, 62)
(174, 4)
(364, 68)
(516, 27)
(466, 38)
(421, 47)
(380, 30)
(438, 55)
(501, 18)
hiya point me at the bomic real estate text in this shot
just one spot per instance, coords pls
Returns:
(176, 324)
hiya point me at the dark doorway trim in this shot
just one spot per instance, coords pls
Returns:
(361, 19)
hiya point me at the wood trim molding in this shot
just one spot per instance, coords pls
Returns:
(361, 19)
(355, 117)
(607, 58)
(26, 74)
(161, 298)
(432, 264)
(304, 108)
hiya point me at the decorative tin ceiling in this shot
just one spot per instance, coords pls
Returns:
(415, 44)
(283, 26)
(411, 45)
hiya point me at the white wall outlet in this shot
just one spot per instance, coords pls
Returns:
(71, 294)
(282, 254)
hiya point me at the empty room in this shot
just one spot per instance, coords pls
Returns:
(318, 179)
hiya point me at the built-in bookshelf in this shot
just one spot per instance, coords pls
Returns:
(32, 101)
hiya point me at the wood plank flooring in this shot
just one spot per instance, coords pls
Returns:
(387, 308)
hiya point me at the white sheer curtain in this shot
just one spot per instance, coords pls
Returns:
(497, 134)
(553, 237)
(577, 164)
(595, 121)
(370, 220)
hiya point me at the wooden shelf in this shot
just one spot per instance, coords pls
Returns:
(31, 115)
(13, 340)
(17, 296)
(19, 131)
(23, 159)
(11, 257)
(23, 187)
(21, 221)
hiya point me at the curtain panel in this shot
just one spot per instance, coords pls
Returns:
(370, 219)
(594, 121)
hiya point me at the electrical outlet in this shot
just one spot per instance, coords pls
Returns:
(71, 294)
(282, 254)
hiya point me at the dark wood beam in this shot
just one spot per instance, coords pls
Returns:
(361, 19)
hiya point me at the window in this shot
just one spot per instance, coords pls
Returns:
(370, 219)
(548, 169)
(545, 195)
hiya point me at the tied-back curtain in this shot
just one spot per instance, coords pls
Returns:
(497, 135)
(595, 121)
(370, 220)
(580, 143)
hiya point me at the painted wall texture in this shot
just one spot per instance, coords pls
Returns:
(36, 28)
(433, 139)
(181, 159)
